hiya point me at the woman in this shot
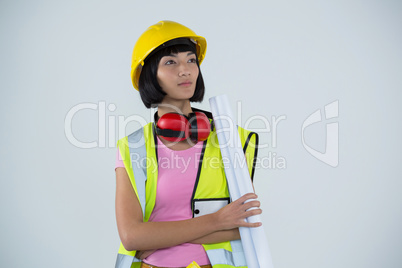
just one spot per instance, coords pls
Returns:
(175, 209)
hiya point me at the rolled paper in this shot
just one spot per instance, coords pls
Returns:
(254, 241)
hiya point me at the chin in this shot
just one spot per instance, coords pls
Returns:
(187, 95)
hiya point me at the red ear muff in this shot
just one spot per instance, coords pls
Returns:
(200, 126)
(177, 127)
(173, 127)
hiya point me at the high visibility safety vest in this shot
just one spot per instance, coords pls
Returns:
(210, 193)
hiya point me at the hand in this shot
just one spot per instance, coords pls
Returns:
(142, 254)
(234, 214)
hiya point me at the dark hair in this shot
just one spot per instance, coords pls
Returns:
(150, 91)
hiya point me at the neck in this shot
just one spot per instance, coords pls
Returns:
(174, 106)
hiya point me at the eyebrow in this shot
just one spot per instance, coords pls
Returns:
(175, 54)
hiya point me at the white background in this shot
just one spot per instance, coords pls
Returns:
(278, 58)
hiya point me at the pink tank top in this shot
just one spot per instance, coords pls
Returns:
(177, 172)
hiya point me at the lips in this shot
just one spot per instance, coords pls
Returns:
(185, 83)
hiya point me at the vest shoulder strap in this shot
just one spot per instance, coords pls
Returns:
(249, 140)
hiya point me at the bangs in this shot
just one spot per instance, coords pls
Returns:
(175, 50)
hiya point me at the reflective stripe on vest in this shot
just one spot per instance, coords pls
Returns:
(138, 155)
(127, 261)
(234, 258)
(140, 160)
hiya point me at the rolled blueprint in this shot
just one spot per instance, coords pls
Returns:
(254, 241)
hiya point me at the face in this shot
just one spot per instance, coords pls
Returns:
(177, 75)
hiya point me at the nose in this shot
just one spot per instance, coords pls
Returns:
(184, 70)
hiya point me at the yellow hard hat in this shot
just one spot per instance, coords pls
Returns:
(155, 36)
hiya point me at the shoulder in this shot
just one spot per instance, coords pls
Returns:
(136, 135)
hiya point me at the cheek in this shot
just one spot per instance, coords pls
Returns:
(196, 71)
(160, 77)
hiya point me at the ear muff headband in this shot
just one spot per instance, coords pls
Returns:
(193, 126)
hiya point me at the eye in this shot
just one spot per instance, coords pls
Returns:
(192, 60)
(169, 62)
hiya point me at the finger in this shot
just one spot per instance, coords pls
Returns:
(251, 204)
(147, 253)
(138, 255)
(252, 212)
(255, 224)
(250, 224)
(250, 196)
(247, 196)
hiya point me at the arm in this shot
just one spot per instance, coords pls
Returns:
(138, 235)
(216, 237)
(219, 236)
